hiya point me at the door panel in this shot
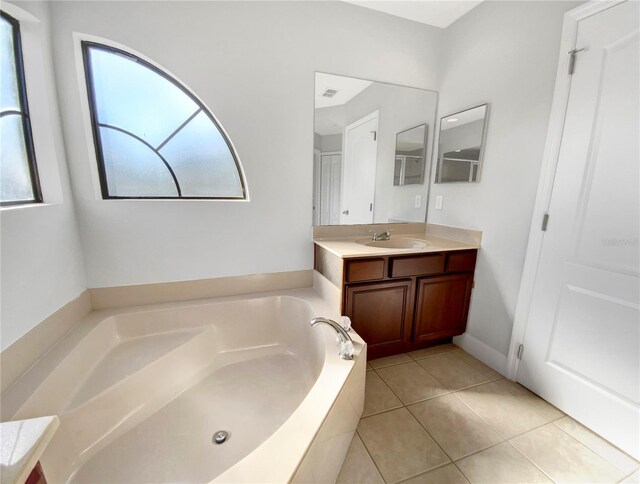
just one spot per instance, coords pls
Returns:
(359, 171)
(582, 342)
(442, 306)
(381, 314)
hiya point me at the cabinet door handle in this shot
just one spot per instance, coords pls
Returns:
(346, 212)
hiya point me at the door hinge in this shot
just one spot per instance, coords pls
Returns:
(545, 221)
(572, 60)
(375, 135)
(519, 353)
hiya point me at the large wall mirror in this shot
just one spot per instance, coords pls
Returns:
(461, 145)
(372, 151)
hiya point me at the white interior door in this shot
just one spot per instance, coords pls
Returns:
(331, 167)
(359, 170)
(582, 343)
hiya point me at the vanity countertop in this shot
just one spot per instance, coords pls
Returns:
(22, 444)
(348, 247)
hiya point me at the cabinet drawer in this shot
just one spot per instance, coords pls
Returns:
(462, 261)
(364, 270)
(417, 266)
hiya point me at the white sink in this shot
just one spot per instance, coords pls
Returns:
(395, 243)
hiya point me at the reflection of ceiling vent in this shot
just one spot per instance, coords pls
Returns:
(329, 93)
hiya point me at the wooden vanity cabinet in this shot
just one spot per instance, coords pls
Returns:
(400, 303)
(381, 313)
(442, 306)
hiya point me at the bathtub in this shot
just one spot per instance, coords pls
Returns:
(140, 393)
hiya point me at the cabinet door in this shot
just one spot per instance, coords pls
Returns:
(442, 306)
(381, 314)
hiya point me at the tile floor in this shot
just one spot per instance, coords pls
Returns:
(439, 415)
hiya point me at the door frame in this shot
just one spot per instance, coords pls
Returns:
(547, 174)
(373, 115)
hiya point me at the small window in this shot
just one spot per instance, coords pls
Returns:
(153, 138)
(18, 173)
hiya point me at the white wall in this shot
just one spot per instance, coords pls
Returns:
(506, 54)
(331, 142)
(41, 257)
(253, 64)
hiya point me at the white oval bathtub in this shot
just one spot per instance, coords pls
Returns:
(142, 392)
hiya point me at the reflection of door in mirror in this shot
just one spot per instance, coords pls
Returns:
(359, 170)
(330, 173)
(461, 146)
(373, 186)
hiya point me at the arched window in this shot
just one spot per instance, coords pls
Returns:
(153, 138)
(18, 172)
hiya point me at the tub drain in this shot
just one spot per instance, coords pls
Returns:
(220, 437)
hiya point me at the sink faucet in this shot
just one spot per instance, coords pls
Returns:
(386, 235)
(346, 343)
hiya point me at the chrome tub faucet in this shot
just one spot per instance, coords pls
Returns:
(346, 343)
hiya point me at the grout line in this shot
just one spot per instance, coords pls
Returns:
(417, 401)
(468, 479)
(424, 472)
(533, 463)
(370, 456)
(628, 476)
(594, 451)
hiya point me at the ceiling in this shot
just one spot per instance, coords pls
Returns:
(437, 13)
(347, 88)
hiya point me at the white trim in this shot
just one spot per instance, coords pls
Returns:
(330, 153)
(547, 173)
(482, 351)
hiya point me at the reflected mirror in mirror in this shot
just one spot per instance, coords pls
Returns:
(372, 151)
(410, 156)
(461, 145)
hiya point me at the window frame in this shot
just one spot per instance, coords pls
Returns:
(24, 114)
(86, 45)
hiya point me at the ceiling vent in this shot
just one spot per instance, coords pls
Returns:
(329, 93)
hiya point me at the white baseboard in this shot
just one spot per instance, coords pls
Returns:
(483, 352)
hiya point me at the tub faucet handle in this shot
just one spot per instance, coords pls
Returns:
(346, 350)
(345, 322)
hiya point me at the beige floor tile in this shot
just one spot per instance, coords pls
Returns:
(541, 406)
(358, 466)
(451, 371)
(455, 427)
(448, 474)
(632, 479)
(563, 458)
(479, 366)
(498, 465)
(369, 367)
(377, 396)
(390, 360)
(600, 446)
(411, 383)
(432, 351)
(504, 412)
(399, 445)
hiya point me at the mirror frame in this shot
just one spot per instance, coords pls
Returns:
(424, 150)
(482, 146)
